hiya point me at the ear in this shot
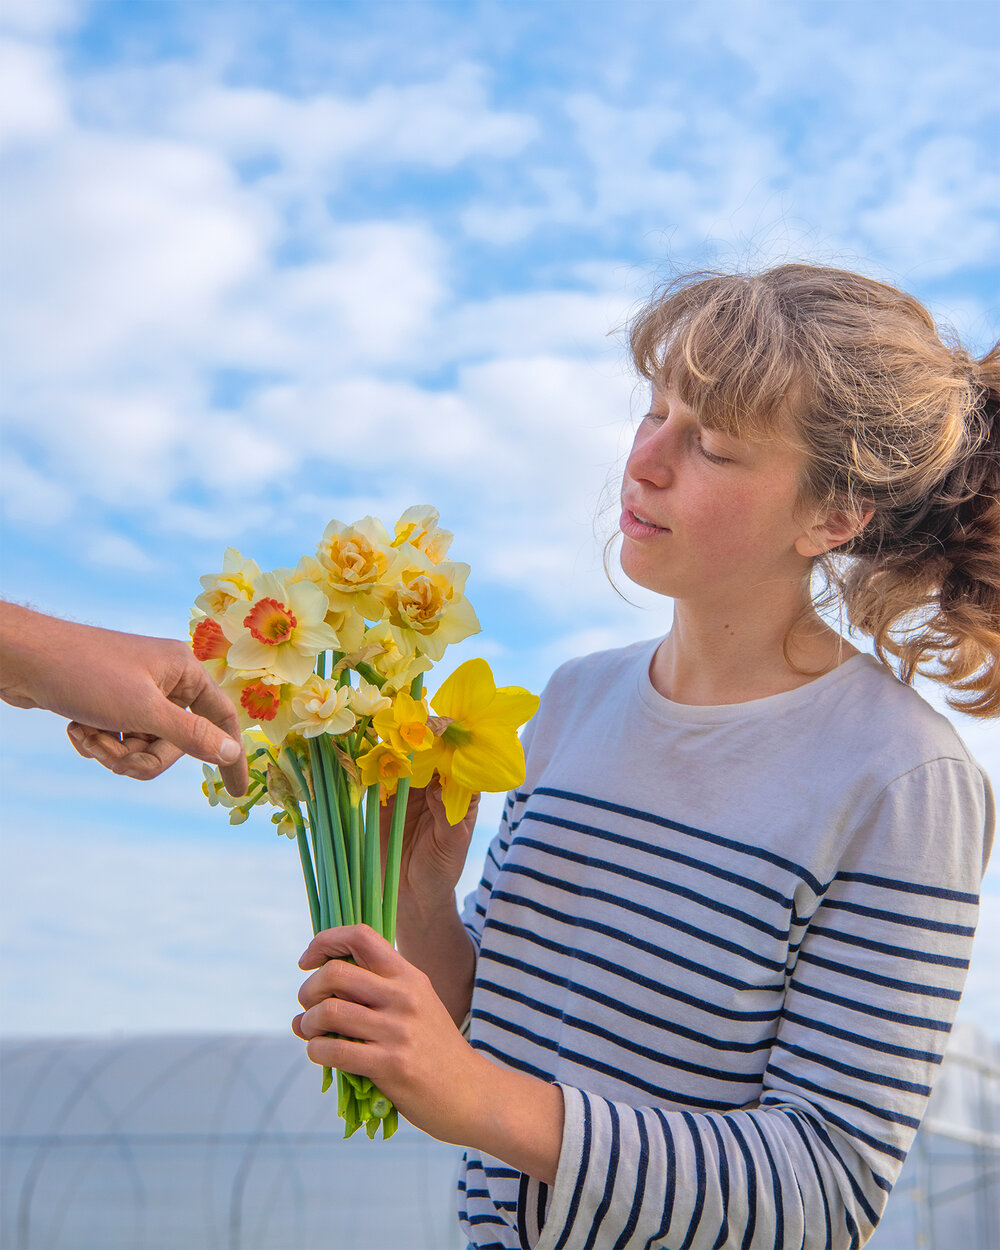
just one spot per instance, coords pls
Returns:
(832, 528)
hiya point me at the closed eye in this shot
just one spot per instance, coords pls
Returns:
(710, 456)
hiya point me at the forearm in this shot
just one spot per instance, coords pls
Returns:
(433, 939)
(22, 649)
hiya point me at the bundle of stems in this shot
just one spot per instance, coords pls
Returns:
(340, 848)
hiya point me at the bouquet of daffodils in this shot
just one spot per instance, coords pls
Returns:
(325, 664)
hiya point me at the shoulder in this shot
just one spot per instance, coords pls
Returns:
(895, 722)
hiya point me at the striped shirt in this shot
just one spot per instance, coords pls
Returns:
(736, 938)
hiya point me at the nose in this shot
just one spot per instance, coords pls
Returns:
(652, 456)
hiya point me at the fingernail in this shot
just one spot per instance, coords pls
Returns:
(229, 752)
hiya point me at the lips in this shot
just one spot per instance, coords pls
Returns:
(635, 525)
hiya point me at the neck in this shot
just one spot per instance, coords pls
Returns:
(714, 656)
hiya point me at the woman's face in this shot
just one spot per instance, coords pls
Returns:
(706, 516)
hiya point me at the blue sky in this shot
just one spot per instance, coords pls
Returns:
(267, 264)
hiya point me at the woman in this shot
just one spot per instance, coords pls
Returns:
(721, 935)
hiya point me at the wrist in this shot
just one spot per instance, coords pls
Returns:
(514, 1117)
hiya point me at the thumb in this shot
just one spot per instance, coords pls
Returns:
(192, 734)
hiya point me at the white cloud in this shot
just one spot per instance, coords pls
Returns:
(40, 17)
(32, 103)
(436, 124)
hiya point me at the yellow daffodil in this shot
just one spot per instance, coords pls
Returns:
(323, 707)
(235, 582)
(404, 724)
(383, 765)
(479, 748)
(427, 608)
(358, 559)
(280, 630)
(418, 526)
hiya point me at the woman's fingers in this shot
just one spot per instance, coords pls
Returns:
(340, 979)
(360, 942)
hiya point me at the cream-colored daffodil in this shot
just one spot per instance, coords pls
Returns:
(346, 622)
(427, 608)
(359, 560)
(262, 701)
(418, 526)
(479, 748)
(395, 664)
(280, 631)
(367, 699)
(235, 582)
(323, 707)
(210, 645)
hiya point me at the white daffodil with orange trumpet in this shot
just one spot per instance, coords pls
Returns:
(325, 664)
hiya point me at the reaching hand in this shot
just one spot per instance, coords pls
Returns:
(125, 695)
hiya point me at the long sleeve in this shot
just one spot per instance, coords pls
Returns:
(876, 960)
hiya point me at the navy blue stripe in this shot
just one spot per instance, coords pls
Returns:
(723, 1236)
(591, 1063)
(619, 1040)
(657, 883)
(874, 978)
(510, 1061)
(581, 1176)
(894, 917)
(614, 1157)
(885, 948)
(796, 1123)
(751, 1173)
(742, 848)
(779, 1201)
(670, 1186)
(655, 914)
(633, 942)
(641, 1172)
(699, 1180)
(868, 1009)
(857, 1074)
(646, 848)
(856, 1039)
(541, 1205)
(627, 1009)
(909, 887)
(856, 1189)
(627, 974)
(881, 1113)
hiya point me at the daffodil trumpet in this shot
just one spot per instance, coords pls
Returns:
(325, 665)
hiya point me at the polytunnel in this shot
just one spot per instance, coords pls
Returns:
(203, 1143)
(226, 1143)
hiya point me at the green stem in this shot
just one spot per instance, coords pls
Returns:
(354, 847)
(341, 875)
(395, 853)
(316, 836)
(315, 915)
(372, 902)
(326, 835)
